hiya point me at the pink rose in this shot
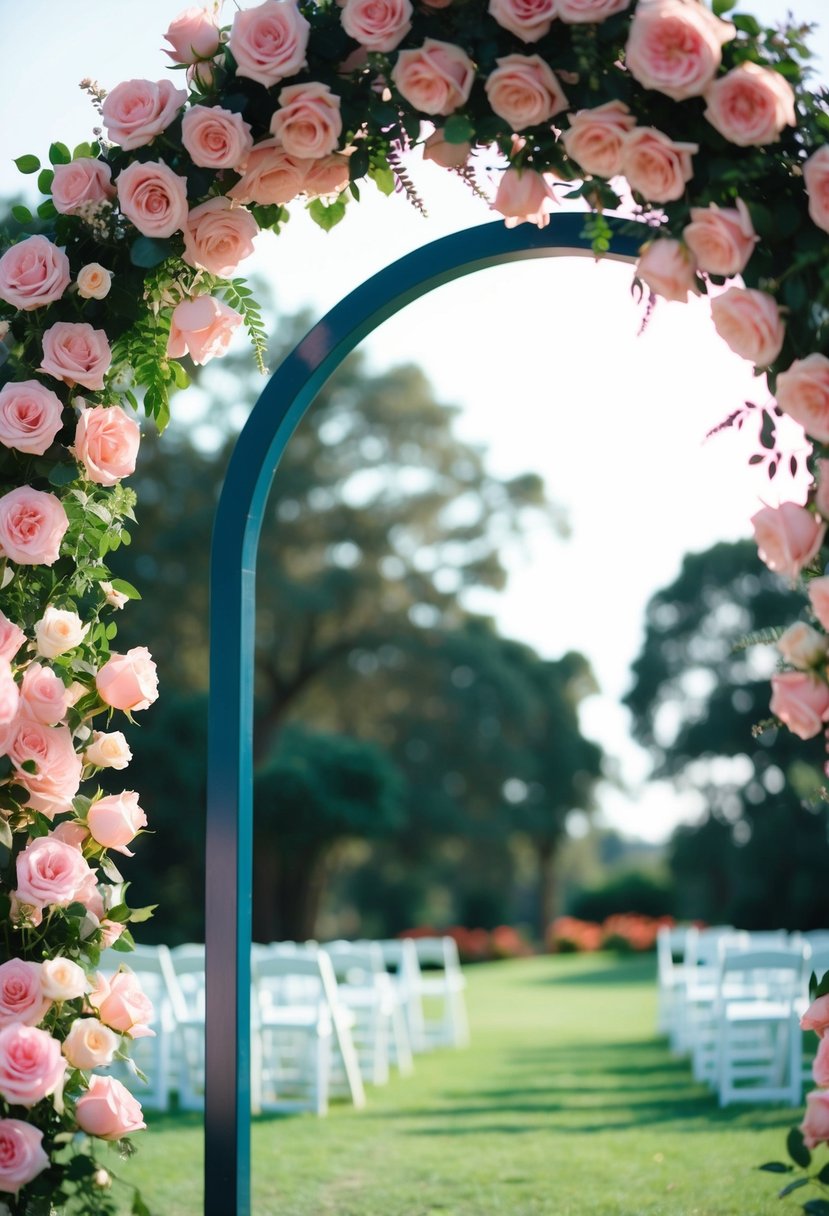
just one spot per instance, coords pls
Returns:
(12, 638)
(816, 178)
(30, 416)
(203, 328)
(135, 111)
(308, 122)
(595, 138)
(524, 92)
(21, 1155)
(447, 155)
(21, 994)
(31, 1065)
(818, 591)
(193, 35)
(803, 393)
(529, 20)
(218, 236)
(721, 238)
(90, 1044)
(578, 12)
(33, 273)
(801, 701)
(116, 820)
(153, 197)
(58, 766)
(815, 1125)
(522, 196)
(50, 873)
(269, 42)
(106, 444)
(326, 176)
(44, 697)
(111, 930)
(668, 268)
(122, 1005)
(81, 182)
(816, 1016)
(436, 78)
(787, 537)
(128, 681)
(820, 1064)
(675, 46)
(108, 1109)
(215, 138)
(750, 322)
(270, 175)
(76, 353)
(802, 646)
(655, 166)
(32, 526)
(9, 697)
(750, 105)
(378, 25)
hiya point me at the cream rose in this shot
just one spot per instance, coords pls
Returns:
(524, 92)
(722, 239)
(115, 599)
(30, 416)
(308, 122)
(595, 138)
(750, 105)
(58, 630)
(269, 42)
(675, 46)
(216, 138)
(668, 268)
(655, 166)
(135, 111)
(62, 980)
(436, 78)
(750, 322)
(108, 750)
(802, 646)
(90, 1044)
(33, 274)
(94, 282)
(378, 25)
(529, 20)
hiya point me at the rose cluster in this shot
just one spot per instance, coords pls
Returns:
(815, 1126)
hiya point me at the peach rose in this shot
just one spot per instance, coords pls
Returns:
(818, 592)
(90, 1044)
(21, 995)
(32, 526)
(193, 35)
(9, 697)
(128, 681)
(57, 776)
(524, 92)
(529, 20)
(215, 138)
(58, 630)
(326, 176)
(135, 111)
(116, 820)
(22, 1156)
(62, 980)
(803, 393)
(50, 873)
(43, 696)
(270, 176)
(722, 239)
(668, 268)
(122, 1005)
(750, 105)
(81, 182)
(218, 236)
(76, 353)
(269, 42)
(106, 444)
(30, 416)
(750, 322)
(801, 701)
(522, 196)
(816, 1016)
(816, 178)
(675, 46)
(12, 638)
(787, 537)
(308, 122)
(449, 156)
(655, 166)
(111, 930)
(815, 1125)
(203, 328)
(592, 12)
(378, 25)
(153, 198)
(108, 750)
(94, 282)
(108, 1109)
(33, 273)
(802, 646)
(595, 138)
(436, 78)
(31, 1065)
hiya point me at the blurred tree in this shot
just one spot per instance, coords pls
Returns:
(759, 855)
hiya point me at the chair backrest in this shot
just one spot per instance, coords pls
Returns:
(439, 952)
(188, 971)
(294, 979)
(399, 956)
(766, 974)
(355, 962)
(671, 946)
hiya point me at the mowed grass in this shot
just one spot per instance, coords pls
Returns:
(565, 1104)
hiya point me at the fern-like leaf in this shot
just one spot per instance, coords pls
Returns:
(238, 295)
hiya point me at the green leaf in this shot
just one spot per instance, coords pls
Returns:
(139, 1207)
(5, 833)
(458, 129)
(125, 943)
(63, 474)
(149, 251)
(721, 7)
(121, 584)
(27, 164)
(111, 870)
(796, 1149)
(748, 25)
(44, 180)
(326, 216)
(139, 915)
(22, 214)
(383, 179)
(59, 154)
(120, 914)
(776, 1167)
(823, 1175)
(816, 1207)
(47, 210)
(793, 1186)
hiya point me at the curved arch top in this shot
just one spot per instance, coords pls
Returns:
(279, 409)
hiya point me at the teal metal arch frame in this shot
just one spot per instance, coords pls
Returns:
(280, 408)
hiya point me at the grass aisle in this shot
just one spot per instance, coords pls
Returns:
(564, 1105)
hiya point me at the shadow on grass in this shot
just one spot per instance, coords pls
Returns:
(618, 973)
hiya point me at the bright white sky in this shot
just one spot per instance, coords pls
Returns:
(543, 357)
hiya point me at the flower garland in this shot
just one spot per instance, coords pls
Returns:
(129, 265)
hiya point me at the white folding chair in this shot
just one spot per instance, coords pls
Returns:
(671, 943)
(441, 986)
(399, 956)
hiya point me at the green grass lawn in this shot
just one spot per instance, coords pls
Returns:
(565, 1104)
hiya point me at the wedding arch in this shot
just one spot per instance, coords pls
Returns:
(697, 130)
